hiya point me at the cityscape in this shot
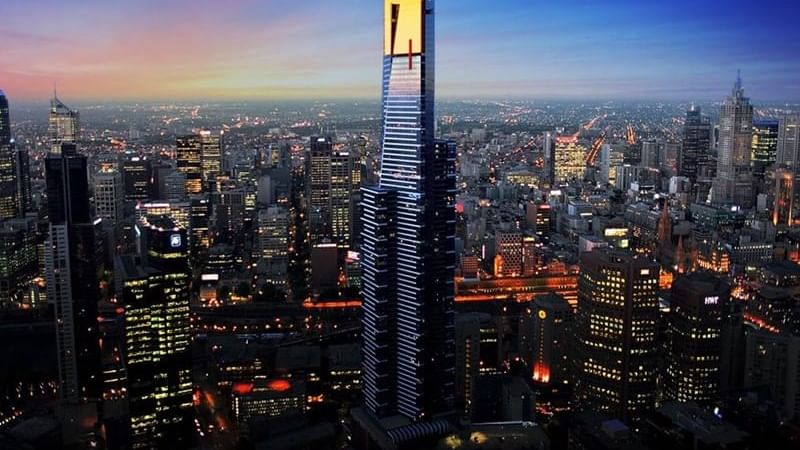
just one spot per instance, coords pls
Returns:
(595, 265)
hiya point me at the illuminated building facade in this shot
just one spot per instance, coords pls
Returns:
(698, 303)
(545, 333)
(273, 244)
(508, 254)
(63, 125)
(267, 398)
(154, 289)
(788, 160)
(22, 171)
(8, 178)
(733, 183)
(18, 261)
(616, 326)
(765, 145)
(328, 192)
(783, 206)
(570, 159)
(190, 162)
(136, 173)
(211, 155)
(408, 245)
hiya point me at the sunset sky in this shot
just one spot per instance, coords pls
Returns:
(321, 49)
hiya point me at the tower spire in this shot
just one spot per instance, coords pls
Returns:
(738, 85)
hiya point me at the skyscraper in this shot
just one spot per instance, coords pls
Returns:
(109, 197)
(190, 162)
(733, 183)
(8, 183)
(786, 178)
(328, 192)
(408, 237)
(616, 327)
(154, 289)
(765, 145)
(136, 175)
(569, 160)
(71, 275)
(694, 350)
(696, 144)
(63, 125)
(22, 169)
(211, 155)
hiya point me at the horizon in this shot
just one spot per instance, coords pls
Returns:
(267, 51)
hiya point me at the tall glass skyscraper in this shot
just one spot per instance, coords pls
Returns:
(408, 235)
(8, 183)
(63, 125)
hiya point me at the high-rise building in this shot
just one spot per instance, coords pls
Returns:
(211, 155)
(783, 206)
(136, 171)
(190, 162)
(408, 244)
(696, 146)
(109, 197)
(569, 159)
(733, 183)
(23, 179)
(508, 260)
(611, 156)
(154, 290)
(273, 244)
(9, 206)
(694, 349)
(764, 146)
(328, 192)
(545, 335)
(616, 327)
(650, 153)
(18, 261)
(63, 125)
(788, 159)
(72, 285)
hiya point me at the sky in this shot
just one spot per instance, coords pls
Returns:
(151, 50)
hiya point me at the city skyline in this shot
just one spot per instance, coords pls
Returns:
(251, 50)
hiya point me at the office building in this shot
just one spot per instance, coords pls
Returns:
(22, 171)
(616, 326)
(273, 244)
(698, 303)
(764, 146)
(136, 174)
(408, 244)
(508, 259)
(569, 159)
(328, 191)
(733, 183)
(109, 197)
(18, 262)
(63, 125)
(787, 168)
(211, 155)
(72, 287)
(9, 206)
(650, 155)
(696, 146)
(154, 291)
(545, 335)
(190, 162)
